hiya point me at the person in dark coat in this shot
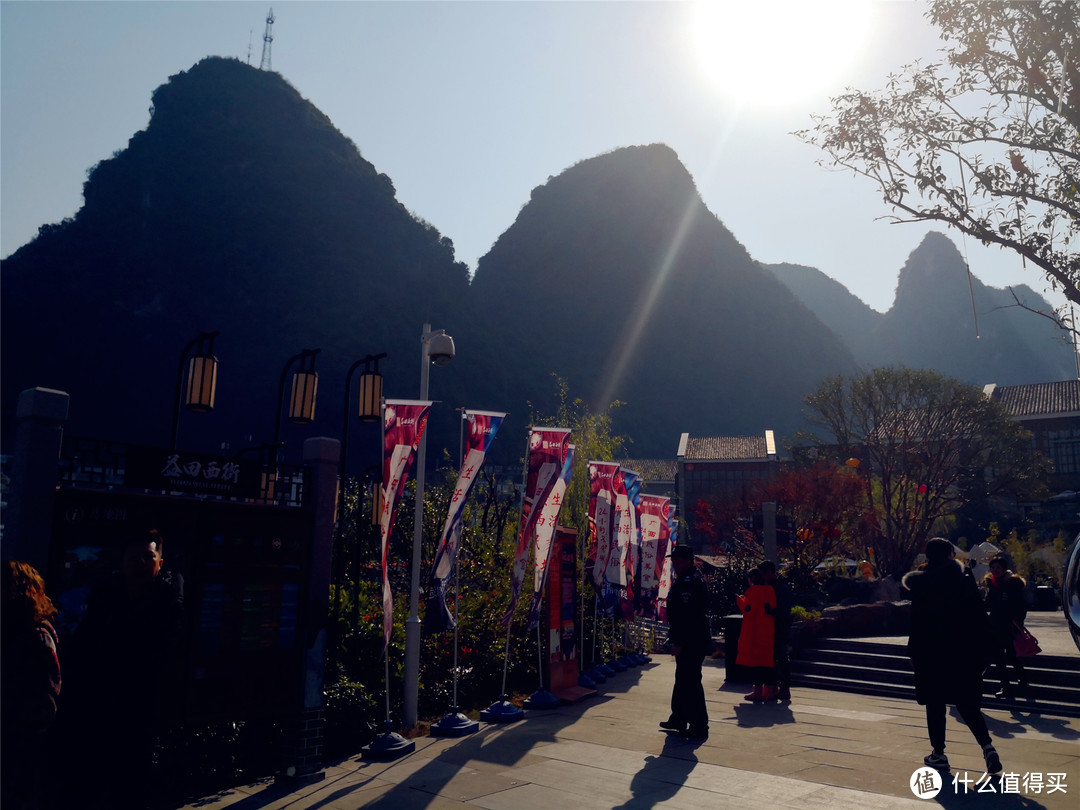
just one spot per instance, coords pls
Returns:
(1007, 608)
(949, 649)
(124, 676)
(690, 639)
(30, 683)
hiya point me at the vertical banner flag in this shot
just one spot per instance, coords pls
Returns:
(653, 516)
(545, 530)
(625, 527)
(547, 451)
(601, 516)
(665, 567)
(481, 427)
(632, 560)
(403, 425)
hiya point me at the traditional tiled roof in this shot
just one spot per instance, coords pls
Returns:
(652, 469)
(1039, 399)
(725, 448)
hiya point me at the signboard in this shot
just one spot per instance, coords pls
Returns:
(182, 471)
(563, 635)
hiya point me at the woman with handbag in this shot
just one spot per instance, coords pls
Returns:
(1007, 609)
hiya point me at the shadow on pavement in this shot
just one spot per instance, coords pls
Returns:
(1021, 722)
(661, 777)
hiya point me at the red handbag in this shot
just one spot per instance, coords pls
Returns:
(1025, 644)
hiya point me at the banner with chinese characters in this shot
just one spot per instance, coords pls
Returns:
(601, 516)
(545, 530)
(653, 517)
(481, 427)
(403, 425)
(625, 528)
(547, 452)
(664, 585)
(632, 553)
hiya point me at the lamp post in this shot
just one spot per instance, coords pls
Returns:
(368, 402)
(305, 384)
(201, 388)
(435, 347)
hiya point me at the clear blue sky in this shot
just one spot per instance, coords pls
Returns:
(468, 106)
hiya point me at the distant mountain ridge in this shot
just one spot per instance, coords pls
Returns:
(241, 208)
(931, 323)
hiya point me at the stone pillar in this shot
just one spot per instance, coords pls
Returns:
(768, 521)
(304, 754)
(40, 416)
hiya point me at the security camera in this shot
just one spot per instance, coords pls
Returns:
(441, 349)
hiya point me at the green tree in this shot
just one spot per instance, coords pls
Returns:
(927, 444)
(986, 140)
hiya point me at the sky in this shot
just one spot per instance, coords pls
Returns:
(468, 106)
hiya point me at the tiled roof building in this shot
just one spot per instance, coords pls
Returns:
(1051, 411)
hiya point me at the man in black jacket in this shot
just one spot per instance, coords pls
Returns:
(949, 648)
(687, 606)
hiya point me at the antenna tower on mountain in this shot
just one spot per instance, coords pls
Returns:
(268, 39)
(251, 39)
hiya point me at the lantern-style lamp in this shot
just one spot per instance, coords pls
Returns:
(369, 405)
(305, 383)
(201, 390)
(853, 463)
(371, 387)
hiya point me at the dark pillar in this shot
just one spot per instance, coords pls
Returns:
(40, 416)
(304, 755)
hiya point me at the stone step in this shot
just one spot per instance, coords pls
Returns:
(875, 668)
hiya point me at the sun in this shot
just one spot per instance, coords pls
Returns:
(777, 52)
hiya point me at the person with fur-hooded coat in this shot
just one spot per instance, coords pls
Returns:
(949, 647)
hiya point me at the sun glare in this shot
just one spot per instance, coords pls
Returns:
(776, 52)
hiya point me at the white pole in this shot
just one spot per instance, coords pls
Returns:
(412, 625)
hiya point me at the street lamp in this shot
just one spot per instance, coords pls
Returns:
(371, 384)
(201, 389)
(435, 347)
(305, 384)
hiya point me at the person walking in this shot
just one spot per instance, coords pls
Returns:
(30, 683)
(781, 627)
(757, 637)
(949, 646)
(1007, 609)
(690, 639)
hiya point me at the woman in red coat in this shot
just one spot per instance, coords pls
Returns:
(756, 638)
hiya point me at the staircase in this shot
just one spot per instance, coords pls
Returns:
(879, 668)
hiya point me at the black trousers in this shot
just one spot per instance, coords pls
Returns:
(970, 712)
(688, 695)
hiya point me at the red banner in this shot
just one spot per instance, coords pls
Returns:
(547, 452)
(403, 425)
(601, 515)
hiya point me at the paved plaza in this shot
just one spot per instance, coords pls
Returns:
(823, 749)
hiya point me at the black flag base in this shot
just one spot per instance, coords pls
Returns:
(541, 699)
(585, 680)
(454, 724)
(629, 661)
(502, 711)
(388, 745)
(616, 665)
